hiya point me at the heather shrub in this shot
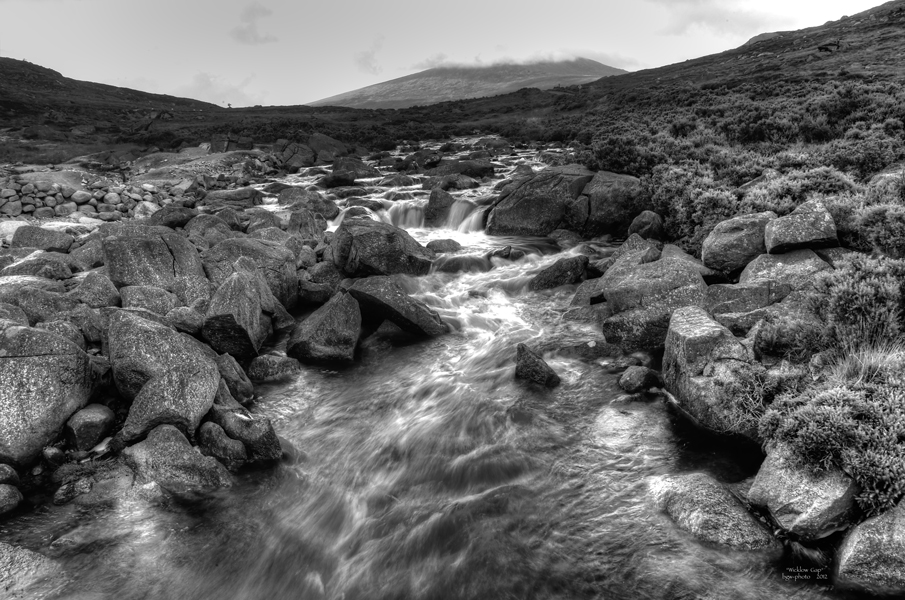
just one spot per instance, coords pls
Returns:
(883, 227)
(788, 337)
(784, 193)
(861, 301)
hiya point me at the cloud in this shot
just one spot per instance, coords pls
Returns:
(437, 60)
(719, 16)
(247, 31)
(611, 59)
(211, 88)
(366, 60)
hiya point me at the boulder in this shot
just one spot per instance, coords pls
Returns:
(51, 265)
(238, 199)
(254, 431)
(565, 271)
(338, 179)
(744, 297)
(10, 497)
(167, 458)
(709, 275)
(262, 219)
(273, 367)
(638, 379)
(326, 148)
(471, 168)
(703, 364)
(537, 206)
(48, 240)
(167, 261)
(89, 255)
(642, 298)
(358, 168)
(872, 555)
(736, 242)
(531, 367)
(362, 247)
(810, 225)
(97, 291)
(276, 263)
(795, 269)
(44, 379)
(608, 205)
(298, 198)
(173, 216)
(295, 156)
(235, 379)
(21, 570)
(328, 334)
(40, 305)
(64, 329)
(648, 225)
(86, 428)
(214, 442)
(207, 231)
(187, 319)
(147, 297)
(802, 501)
(235, 322)
(382, 298)
(444, 246)
(703, 507)
(140, 350)
(436, 212)
(11, 312)
(179, 397)
(8, 475)
(306, 224)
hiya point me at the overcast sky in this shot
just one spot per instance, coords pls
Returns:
(285, 52)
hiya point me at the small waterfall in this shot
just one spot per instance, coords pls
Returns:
(474, 221)
(407, 214)
(458, 212)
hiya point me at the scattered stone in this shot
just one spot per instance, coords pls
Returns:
(444, 246)
(648, 225)
(10, 497)
(214, 442)
(532, 367)
(565, 271)
(639, 379)
(8, 475)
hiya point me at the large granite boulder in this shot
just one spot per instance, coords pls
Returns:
(362, 247)
(608, 205)
(87, 427)
(173, 216)
(807, 503)
(537, 206)
(23, 572)
(326, 148)
(97, 291)
(358, 168)
(207, 231)
(167, 458)
(140, 350)
(276, 262)
(735, 242)
(254, 431)
(726, 298)
(238, 199)
(41, 238)
(306, 224)
(565, 271)
(328, 334)
(382, 298)
(642, 298)
(167, 261)
(233, 376)
(872, 556)
(703, 507)
(436, 212)
(795, 269)
(44, 379)
(299, 198)
(705, 367)
(235, 322)
(810, 225)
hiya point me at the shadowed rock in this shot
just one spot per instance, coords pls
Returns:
(329, 334)
(362, 247)
(382, 298)
(531, 367)
(167, 458)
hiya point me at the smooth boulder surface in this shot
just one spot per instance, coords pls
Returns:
(809, 504)
(537, 206)
(642, 298)
(701, 361)
(167, 261)
(44, 379)
(795, 269)
(531, 367)
(872, 556)
(382, 298)
(703, 507)
(608, 205)
(167, 458)
(41, 238)
(735, 242)
(179, 397)
(810, 225)
(276, 262)
(328, 334)
(565, 271)
(362, 247)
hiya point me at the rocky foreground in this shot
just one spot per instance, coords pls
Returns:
(134, 318)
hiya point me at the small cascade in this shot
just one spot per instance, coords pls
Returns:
(407, 214)
(458, 212)
(474, 221)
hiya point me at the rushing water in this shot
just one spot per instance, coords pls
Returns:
(428, 472)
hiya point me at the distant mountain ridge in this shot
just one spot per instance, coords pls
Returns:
(442, 84)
